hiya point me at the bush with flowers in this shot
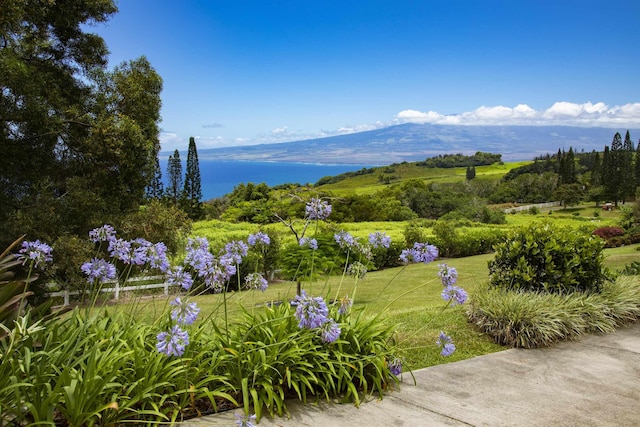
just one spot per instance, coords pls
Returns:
(105, 367)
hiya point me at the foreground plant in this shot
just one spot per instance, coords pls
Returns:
(99, 368)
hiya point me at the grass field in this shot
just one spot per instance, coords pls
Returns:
(370, 183)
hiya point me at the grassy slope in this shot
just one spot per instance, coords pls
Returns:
(370, 183)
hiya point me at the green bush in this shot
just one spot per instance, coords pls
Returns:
(519, 318)
(547, 257)
(454, 244)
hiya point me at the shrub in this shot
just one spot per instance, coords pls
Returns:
(524, 319)
(546, 257)
(607, 232)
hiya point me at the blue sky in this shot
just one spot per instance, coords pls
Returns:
(250, 72)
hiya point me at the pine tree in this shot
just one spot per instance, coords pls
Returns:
(192, 182)
(611, 169)
(174, 173)
(155, 189)
(596, 171)
(627, 173)
(637, 164)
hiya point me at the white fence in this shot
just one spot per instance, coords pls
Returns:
(117, 288)
(527, 207)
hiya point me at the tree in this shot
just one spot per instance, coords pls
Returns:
(78, 141)
(637, 165)
(155, 189)
(611, 169)
(626, 170)
(174, 173)
(192, 183)
(471, 172)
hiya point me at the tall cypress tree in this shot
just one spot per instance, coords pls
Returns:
(613, 180)
(192, 182)
(637, 164)
(627, 173)
(174, 173)
(596, 170)
(155, 189)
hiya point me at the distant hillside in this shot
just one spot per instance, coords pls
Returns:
(413, 142)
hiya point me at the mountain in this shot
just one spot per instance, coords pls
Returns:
(412, 142)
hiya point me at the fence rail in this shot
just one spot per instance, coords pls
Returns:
(117, 288)
(527, 207)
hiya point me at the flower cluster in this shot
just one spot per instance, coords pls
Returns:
(36, 252)
(357, 270)
(139, 252)
(245, 420)
(256, 281)
(99, 270)
(308, 243)
(379, 240)
(345, 240)
(317, 209)
(312, 313)
(179, 277)
(258, 238)
(172, 343)
(451, 293)
(445, 342)
(215, 272)
(395, 366)
(421, 252)
(184, 313)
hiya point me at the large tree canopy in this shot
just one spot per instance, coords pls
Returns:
(78, 141)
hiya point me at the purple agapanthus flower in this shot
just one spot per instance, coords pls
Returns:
(178, 276)
(236, 250)
(317, 209)
(36, 251)
(379, 240)
(448, 275)
(102, 234)
(184, 313)
(256, 281)
(421, 252)
(200, 259)
(455, 294)
(309, 243)
(259, 238)
(345, 240)
(99, 270)
(140, 248)
(120, 249)
(395, 366)
(157, 257)
(330, 331)
(245, 420)
(445, 342)
(172, 343)
(311, 312)
(345, 305)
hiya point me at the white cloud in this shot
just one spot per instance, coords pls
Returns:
(560, 113)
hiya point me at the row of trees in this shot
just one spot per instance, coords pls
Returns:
(183, 190)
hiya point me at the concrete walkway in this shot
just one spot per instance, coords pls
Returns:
(591, 382)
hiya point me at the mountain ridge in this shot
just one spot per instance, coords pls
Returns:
(413, 142)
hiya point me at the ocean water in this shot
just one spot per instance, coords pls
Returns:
(220, 177)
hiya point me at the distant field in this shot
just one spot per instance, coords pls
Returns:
(370, 183)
